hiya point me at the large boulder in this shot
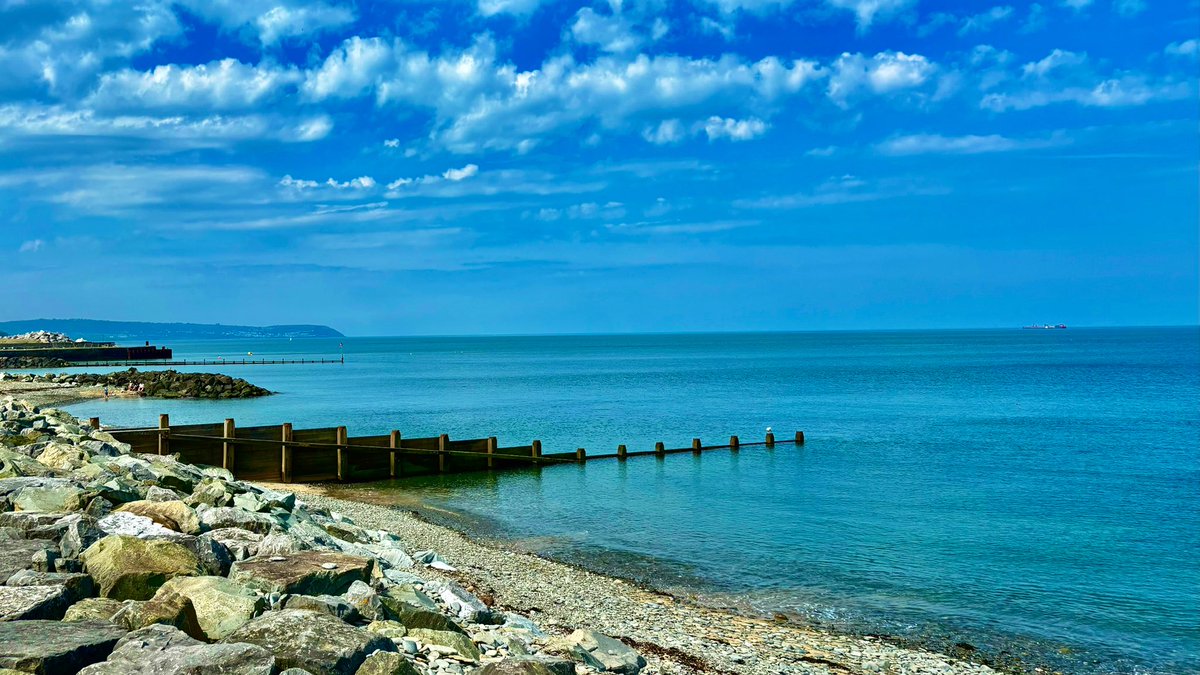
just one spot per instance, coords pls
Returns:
(451, 639)
(18, 555)
(53, 495)
(163, 650)
(172, 611)
(173, 514)
(54, 647)
(133, 525)
(305, 573)
(240, 544)
(333, 605)
(33, 602)
(94, 609)
(528, 665)
(63, 457)
(461, 601)
(387, 663)
(228, 516)
(318, 643)
(78, 585)
(128, 568)
(604, 653)
(221, 606)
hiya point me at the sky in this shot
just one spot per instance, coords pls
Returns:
(397, 167)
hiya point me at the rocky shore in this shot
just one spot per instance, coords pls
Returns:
(63, 388)
(116, 563)
(113, 562)
(31, 362)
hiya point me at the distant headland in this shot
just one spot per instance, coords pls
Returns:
(94, 329)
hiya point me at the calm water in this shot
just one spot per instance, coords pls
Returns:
(1029, 492)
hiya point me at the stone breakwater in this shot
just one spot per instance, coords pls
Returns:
(114, 562)
(19, 362)
(159, 384)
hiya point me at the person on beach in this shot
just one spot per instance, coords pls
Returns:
(141, 389)
(106, 392)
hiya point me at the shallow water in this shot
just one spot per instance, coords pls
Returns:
(1036, 492)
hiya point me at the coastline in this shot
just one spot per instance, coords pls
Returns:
(49, 394)
(674, 634)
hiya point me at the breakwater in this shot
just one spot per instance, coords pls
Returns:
(157, 383)
(282, 453)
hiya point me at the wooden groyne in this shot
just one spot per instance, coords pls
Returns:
(281, 453)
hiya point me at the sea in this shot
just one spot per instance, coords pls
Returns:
(1028, 497)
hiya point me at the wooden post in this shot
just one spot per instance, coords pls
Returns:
(799, 438)
(660, 449)
(734, 443)
(622, 451)
(227, 448)
(285, 461)
(581, 455)
(94, 422)
(443, 446)
(341, 453)
(537, 452)
(770, 439)
(491, 451)
(393, 443)
(696, 446)
(164, 434)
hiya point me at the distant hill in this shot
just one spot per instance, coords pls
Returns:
(91, 329)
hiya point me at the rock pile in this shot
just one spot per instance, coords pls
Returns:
(31, 362)
(162, 384)
(42, 336)
(113, 562)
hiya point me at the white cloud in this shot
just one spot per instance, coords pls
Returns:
(391, 143)
(886, 72)
(360, 183)
(1187, 48)
(867, 11)
(34, 121)
(282, 22)
(32, 246)
(1122, 91)
(460, 174)
(920, 144)
(272, 21)
(985, 20)
(711, 26)
(610, 33)
(288, 181)
(1056, 60)
(1077, 5)
(219, 85)
(735, 130)
(492, 7)
(665, 133)
(1129, 8)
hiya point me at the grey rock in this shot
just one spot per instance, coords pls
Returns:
(155, 493)
(19, 603)
(604, 653)
(18, 555)
(55, 647)
(318, 643)
(78, 586)
(462, 602)
(307, 573)
(387, 663)
(326, 604)
(241, 544)
(226, 516)
(164, 650)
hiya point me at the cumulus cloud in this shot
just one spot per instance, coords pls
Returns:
(32, 246)
(886, 72)
(1068, 77)
(610, 33)
(665, 132)
(272, 21)
(735, 130)
(360, 183)
(219, 85)
(460, 174)
(391, 143)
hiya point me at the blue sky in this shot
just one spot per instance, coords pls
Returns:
(527, 166)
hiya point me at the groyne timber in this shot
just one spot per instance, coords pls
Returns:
(283, 454)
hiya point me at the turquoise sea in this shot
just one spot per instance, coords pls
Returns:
(1034, 493)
